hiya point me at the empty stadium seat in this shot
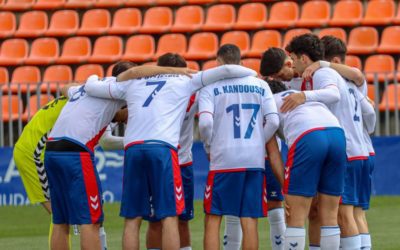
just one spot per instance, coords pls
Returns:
(220, 17)
(362, 40)
(283, 14)
(43, 51)
(83, 72)
(290, 34)
(264, 39)
(75, 50)
(157, 20)
(109, 3)
(391, 97)
(107, 49)
(203, 45)
(63, 23)
(238, 38)
(188, 19)
(139, 2)
(371, 91)
(110, 69)
(8, 24)
(34, 104)
(95, 22)
(139, 48)
(379, 12)
(174, 43)
(13, 51)
(55, 76)
(336, 32)
(314, 14)
(4, 78)
(126, 21)
(209, 64)
(24, 78)
(353, 61)
(347, 13)
(11, 107)
(390, 40)
(193, 65)
(383, 65)
(233, 1)
(48, 4)
(251, 16)
(18, 5)
(201, 1)
(252, 63)
(169, 2)
(32, 24)
(396, 19)
(79, 4)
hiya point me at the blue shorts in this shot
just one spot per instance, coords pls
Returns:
(274, 189)
(316, 162)
(366, 182)
(240, 193)
(75, 189)
(152, 183)
(352, 182)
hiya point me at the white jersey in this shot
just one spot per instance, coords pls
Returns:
(367, 138)
(347, 110)
(186, 136)
(303, 118)
(296, 83)
(238, 107)
(84, 118)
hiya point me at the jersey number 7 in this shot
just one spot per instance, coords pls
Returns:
(236, 118)
(153, 94)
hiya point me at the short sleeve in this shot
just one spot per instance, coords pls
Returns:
(73, 90)
(106, 88)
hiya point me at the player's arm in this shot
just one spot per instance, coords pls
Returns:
(206, 118)
(368, 115)
(270, 112)
(151, 70)
(121, 116)
(106, 88)
(111, 142)
(65, 89)
(275, 159)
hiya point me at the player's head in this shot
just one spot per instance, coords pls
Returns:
(122, 66)
(304, 50)
(276, 64)
(228, 54)
(335, 49)
(276, 86)
(171, 60)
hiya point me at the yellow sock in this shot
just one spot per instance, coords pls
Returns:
(50, 231)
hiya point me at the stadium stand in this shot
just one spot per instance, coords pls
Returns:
(390, 98)
(362, 40)
(238, 38)
(18, 5)
(32, 24)
(390, 40)
(48, 4)
(188, 19)
(314, 14)
(379, 13)
(157, 20)
(43, 51)
(290, 34)
(79, 4)
(139, 48)
(174, 43)
(336, 32)
(34, 104)
(8, 24)
(11, 106)
(354, 61)
(381, 65)
(283, 14)
(95, 22)
(203, 45)
(109, 3)
(13, 51)
(126, 21)
(264, 39)
(220, 17)
(84, 71)
(75, 50)
(107, 49)
(251, 16)
(347, 13)
(54, 76)
(4, 78)
(63, 23)
(23, 79)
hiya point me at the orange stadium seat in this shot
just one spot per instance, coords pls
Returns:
(193, 65)
(314, 14)
(169, 2)
(174, 43)
(336, 32)
(34, 104)
(83, 72)
(11, 103)
(252, 63)
(347, 13)
(109, 3)
(55, 76)
(233, 1)
(203, 45)
(353, 61)
(18, 5)
(398, 71)
(379, 12)
(110, 69)
(95, 22)
(188, 19)
(32, 24)
(48, 4)
(251, 16)
(201, 1)
(362, 40)
(290, 34)
(383, 65)
(13, 51)
(139, 2)
(238, 38)
(4, 78)
(79, 4)
(75, 50)
(283, 14)
(390, 97)
(396, 19)
(107, 49)
(43, 51)
(209, 64)
(126, 21)
(371, 91)
(27, 77)
(157, 20)
(264, 39)
(63, 23)
(390, 40)
(220, 17)
(8, 24)
(139, 48)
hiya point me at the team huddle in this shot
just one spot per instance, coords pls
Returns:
(306, 97)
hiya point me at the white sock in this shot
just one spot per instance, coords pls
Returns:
(103, 238)
(295, 238)
(351, 243)
(314, 247)
(330, 238)
(233, 233)
(366, 241)
(277, 228)
(186, 248)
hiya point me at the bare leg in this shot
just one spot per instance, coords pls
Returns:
(153, 237)
(211, 232)
(47, 206)
(184, 233)
(361, 220)
(299, 207)
(347, 223)
(314, 226)
(90, 239)
(59, 237)
(130, 238)
(170, 233)
(250, 233)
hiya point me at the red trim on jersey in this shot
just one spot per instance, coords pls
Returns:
(93, 142)
(304, 85)
(178, 187)
(230, 170)
(191, 102)
(91, 186)
(208, 192)
(371, 153)
(356, 158)
(205, 112)
(134, 143)
(264, 198)
(187, 164)
(290, 158)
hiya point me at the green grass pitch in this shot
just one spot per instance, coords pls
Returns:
(27, 227)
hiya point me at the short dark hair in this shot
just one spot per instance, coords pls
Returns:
(172, 60)
(276, 86)
(272, 61)
(229, 53)
(334, 46)
(307, 44)
(122, 66)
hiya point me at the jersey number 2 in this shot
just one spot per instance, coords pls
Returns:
(153, 94)
(236, 118)
(356, 118)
